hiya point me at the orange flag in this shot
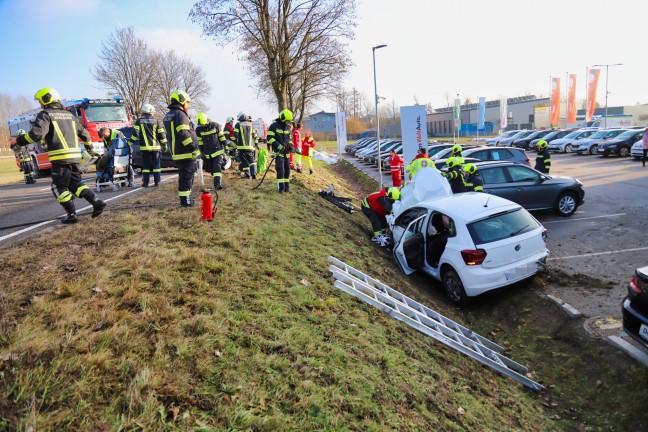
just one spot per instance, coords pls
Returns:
(554, 117)
(591, 93)
(571, 99)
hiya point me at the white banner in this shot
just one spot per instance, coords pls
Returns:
(341, 131)
(414, 131)
(503, 114)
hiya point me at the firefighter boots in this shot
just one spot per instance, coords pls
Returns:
(70, 209)
(97, 207)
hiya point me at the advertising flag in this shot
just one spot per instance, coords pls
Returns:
(571, 99)
(591, 93)
(457, 115)
(554, 117)
(413, 130)
(481, 113)
(503, 112)
(341, 130)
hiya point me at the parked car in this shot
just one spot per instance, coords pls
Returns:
(524, 143)
(442, 164)
(635, 307)
(564, 145)
(384, 151)
(496, 140)
(471, 242)
(637, 150)
(554, 135)
(358, 144)
(532, 189)
(385, 146)
(590, 145)
(506, 142)
(622, 144)
(445, 153)
(166, 160)
(498, 154)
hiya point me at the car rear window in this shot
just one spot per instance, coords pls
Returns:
(502, 226)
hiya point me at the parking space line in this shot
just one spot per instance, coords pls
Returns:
(585, 218)
(598, 253)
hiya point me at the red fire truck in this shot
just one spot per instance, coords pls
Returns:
(93, 114)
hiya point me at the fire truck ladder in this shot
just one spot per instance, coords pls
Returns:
(427, 321)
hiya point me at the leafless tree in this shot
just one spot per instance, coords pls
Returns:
(290, 47)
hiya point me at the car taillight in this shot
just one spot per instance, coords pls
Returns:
(473, 256)
(633, 287)
(544, 234)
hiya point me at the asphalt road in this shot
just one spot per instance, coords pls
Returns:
(607, 238)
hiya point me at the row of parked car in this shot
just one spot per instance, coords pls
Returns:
(605, 142)
(505, 171)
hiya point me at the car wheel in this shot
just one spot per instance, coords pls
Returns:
(454, 289)
(623, 152)
(566, 204)
(568, 148)
(593, 149)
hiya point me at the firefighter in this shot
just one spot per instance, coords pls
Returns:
(149, 134)
(396, 163)
(279, 140)
(376, 207)
(307, 146)
(247, 142)
(184, 143)
(543, 159)
(212, 142)
(454, 174)
(110, 136)
(420, 161)
(26, 164)
(229, 136)
(456, 152)
(472, 181)
(296, 158)
(60, 129)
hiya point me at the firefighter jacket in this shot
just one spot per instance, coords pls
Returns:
(543, 161)
(472, 183)
(211, 140)
(418, 164)
(245, 136)
(307, 145)
(114, 134)
(180, 133)
(455, 178)
(279, 138)
(378, 202)
(296, 138)
(60, 129)
(149, 134)
(396, 163)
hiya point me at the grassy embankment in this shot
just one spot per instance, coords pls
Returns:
(9, 172)
(150, 319)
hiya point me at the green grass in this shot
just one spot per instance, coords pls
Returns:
(151, 319)
(9, 172)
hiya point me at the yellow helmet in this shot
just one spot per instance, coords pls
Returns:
(542, 144)
(180, 96)
(453, 162)
(202, 118)
(470, 168)
(286, 115)
(47, 96)
(393, 193)
(456, 149)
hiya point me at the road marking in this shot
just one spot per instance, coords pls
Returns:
(33, 227)
(585, 218)
(598, 253)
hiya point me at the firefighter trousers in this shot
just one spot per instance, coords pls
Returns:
(247, 159)
(66, 184)
(282, 165)
(151, 164)
(378, 223)
(186, 171)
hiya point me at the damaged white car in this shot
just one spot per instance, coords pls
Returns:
(472, 242)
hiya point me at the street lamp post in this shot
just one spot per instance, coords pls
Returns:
(607, 67)
(373, 49)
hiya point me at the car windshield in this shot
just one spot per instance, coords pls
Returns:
(443, 154)
(626, 135)
(573, 134)
(508, 134)
(502, 226)
(599, 134)
(106, 113)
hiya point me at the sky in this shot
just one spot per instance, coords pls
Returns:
(435, 49)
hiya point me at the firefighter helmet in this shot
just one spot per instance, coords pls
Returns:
(202, 118)
(229, 119)
(393, 193)
(542, 144)
(456, 149)
(470, 168)
(180, 96)
(148, 109)
(241, 116)
(286, 115)
(21, 132)
(453, 162)
(47, 96)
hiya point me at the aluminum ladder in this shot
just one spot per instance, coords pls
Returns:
(427, 321)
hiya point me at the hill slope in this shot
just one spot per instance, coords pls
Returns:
(151, 319)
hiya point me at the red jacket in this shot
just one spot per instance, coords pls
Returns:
(307, 144)
(229, 129)
(396, 163)
(296, 138)
(378, 202)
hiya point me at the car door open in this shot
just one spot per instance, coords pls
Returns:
(409, 252)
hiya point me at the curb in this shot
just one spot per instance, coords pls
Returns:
(571, 311)
(632, 351)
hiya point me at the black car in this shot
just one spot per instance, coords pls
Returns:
(635, 307)
(524, 143)
(530, 188)
(166, 158)
(620, 145)
(553, 135)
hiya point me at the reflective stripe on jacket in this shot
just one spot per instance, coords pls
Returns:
(245, 136)
(279, 135)
(211, 140)
(180, 133)
(149, 133)
(378, 202)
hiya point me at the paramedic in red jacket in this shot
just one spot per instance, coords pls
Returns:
(376, 206)
(396, 163)
(307, 146)
(295, 158)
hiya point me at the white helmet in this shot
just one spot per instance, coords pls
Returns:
(148, 109)
(21, 132)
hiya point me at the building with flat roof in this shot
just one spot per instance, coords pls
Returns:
(320, 122)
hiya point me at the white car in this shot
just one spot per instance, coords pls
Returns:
(637, 150)
(472, 242)
(564, 145)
